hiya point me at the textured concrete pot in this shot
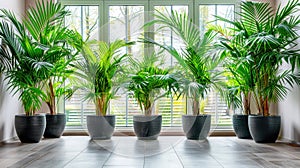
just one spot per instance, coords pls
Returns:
(30, 129)
(55, 125)
(240, 126)
(147, 127)
(100, 127)
(196, 127)
(264, 129)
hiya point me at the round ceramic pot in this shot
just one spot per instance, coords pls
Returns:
(147, 127)
(196, 127)
(30, 129)
(264, 129)
(101, 127)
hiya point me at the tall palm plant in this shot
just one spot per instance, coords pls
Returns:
(60, 43)
(198, 64)
(98, 72)
(35, 46)
(270, 38)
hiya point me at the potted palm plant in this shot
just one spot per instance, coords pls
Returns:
(271, 37)
(239, 78)
(198, 67)
(98, 73)
(238, 94)
(61, 46)
(38, 53)
(25, 72)
(148, 83)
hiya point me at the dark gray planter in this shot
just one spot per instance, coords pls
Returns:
(55, 125)
(100, 127)
(240, 126)
(264, 129)
(30, 129)
(147, 127)
(196, 127)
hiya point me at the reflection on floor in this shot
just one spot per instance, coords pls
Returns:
(166, 152)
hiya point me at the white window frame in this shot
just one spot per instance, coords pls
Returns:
(103, 6)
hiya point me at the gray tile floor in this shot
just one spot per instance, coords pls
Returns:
(166, 152)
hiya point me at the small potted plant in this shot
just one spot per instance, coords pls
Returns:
(270, 35)
(147, 84)
(238, 94)
(98, 73)
(198, 68)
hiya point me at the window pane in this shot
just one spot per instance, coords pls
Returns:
(125, 22)
(166, 36)
(171, 109)
(208, 12)
(215, 105)
(84, 19)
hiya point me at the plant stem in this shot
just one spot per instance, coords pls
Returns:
(246, 103)
(196, 107)
(51, 104)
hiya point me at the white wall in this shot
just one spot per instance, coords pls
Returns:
(9, 106)
(289, 109)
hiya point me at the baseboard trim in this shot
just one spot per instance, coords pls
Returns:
(8, 140)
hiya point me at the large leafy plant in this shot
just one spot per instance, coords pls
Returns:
(268, 37)
(61, 45)
(99, 72)
(197, 62)
(33, 46)
(150, 82)
(238, 69)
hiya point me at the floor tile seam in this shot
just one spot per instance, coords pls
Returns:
(178, 156)
(74, 157)
(111, 152)
(215, 159)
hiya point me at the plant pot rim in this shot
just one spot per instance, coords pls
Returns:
(24, 115)
(101, 116)
(242, 114)
(200, 115)
(261, 116)
(58, 114)
(147, 115)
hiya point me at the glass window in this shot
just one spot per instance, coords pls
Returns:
(126, 22)
(214, 104)
(122, 21)
(84, 19)
(171, 108)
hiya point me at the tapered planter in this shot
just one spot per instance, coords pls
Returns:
(101, 127)
(55, 125)
(147, 127)
(240, 126)
(264, 129)
(196, 127)
(30, 129)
